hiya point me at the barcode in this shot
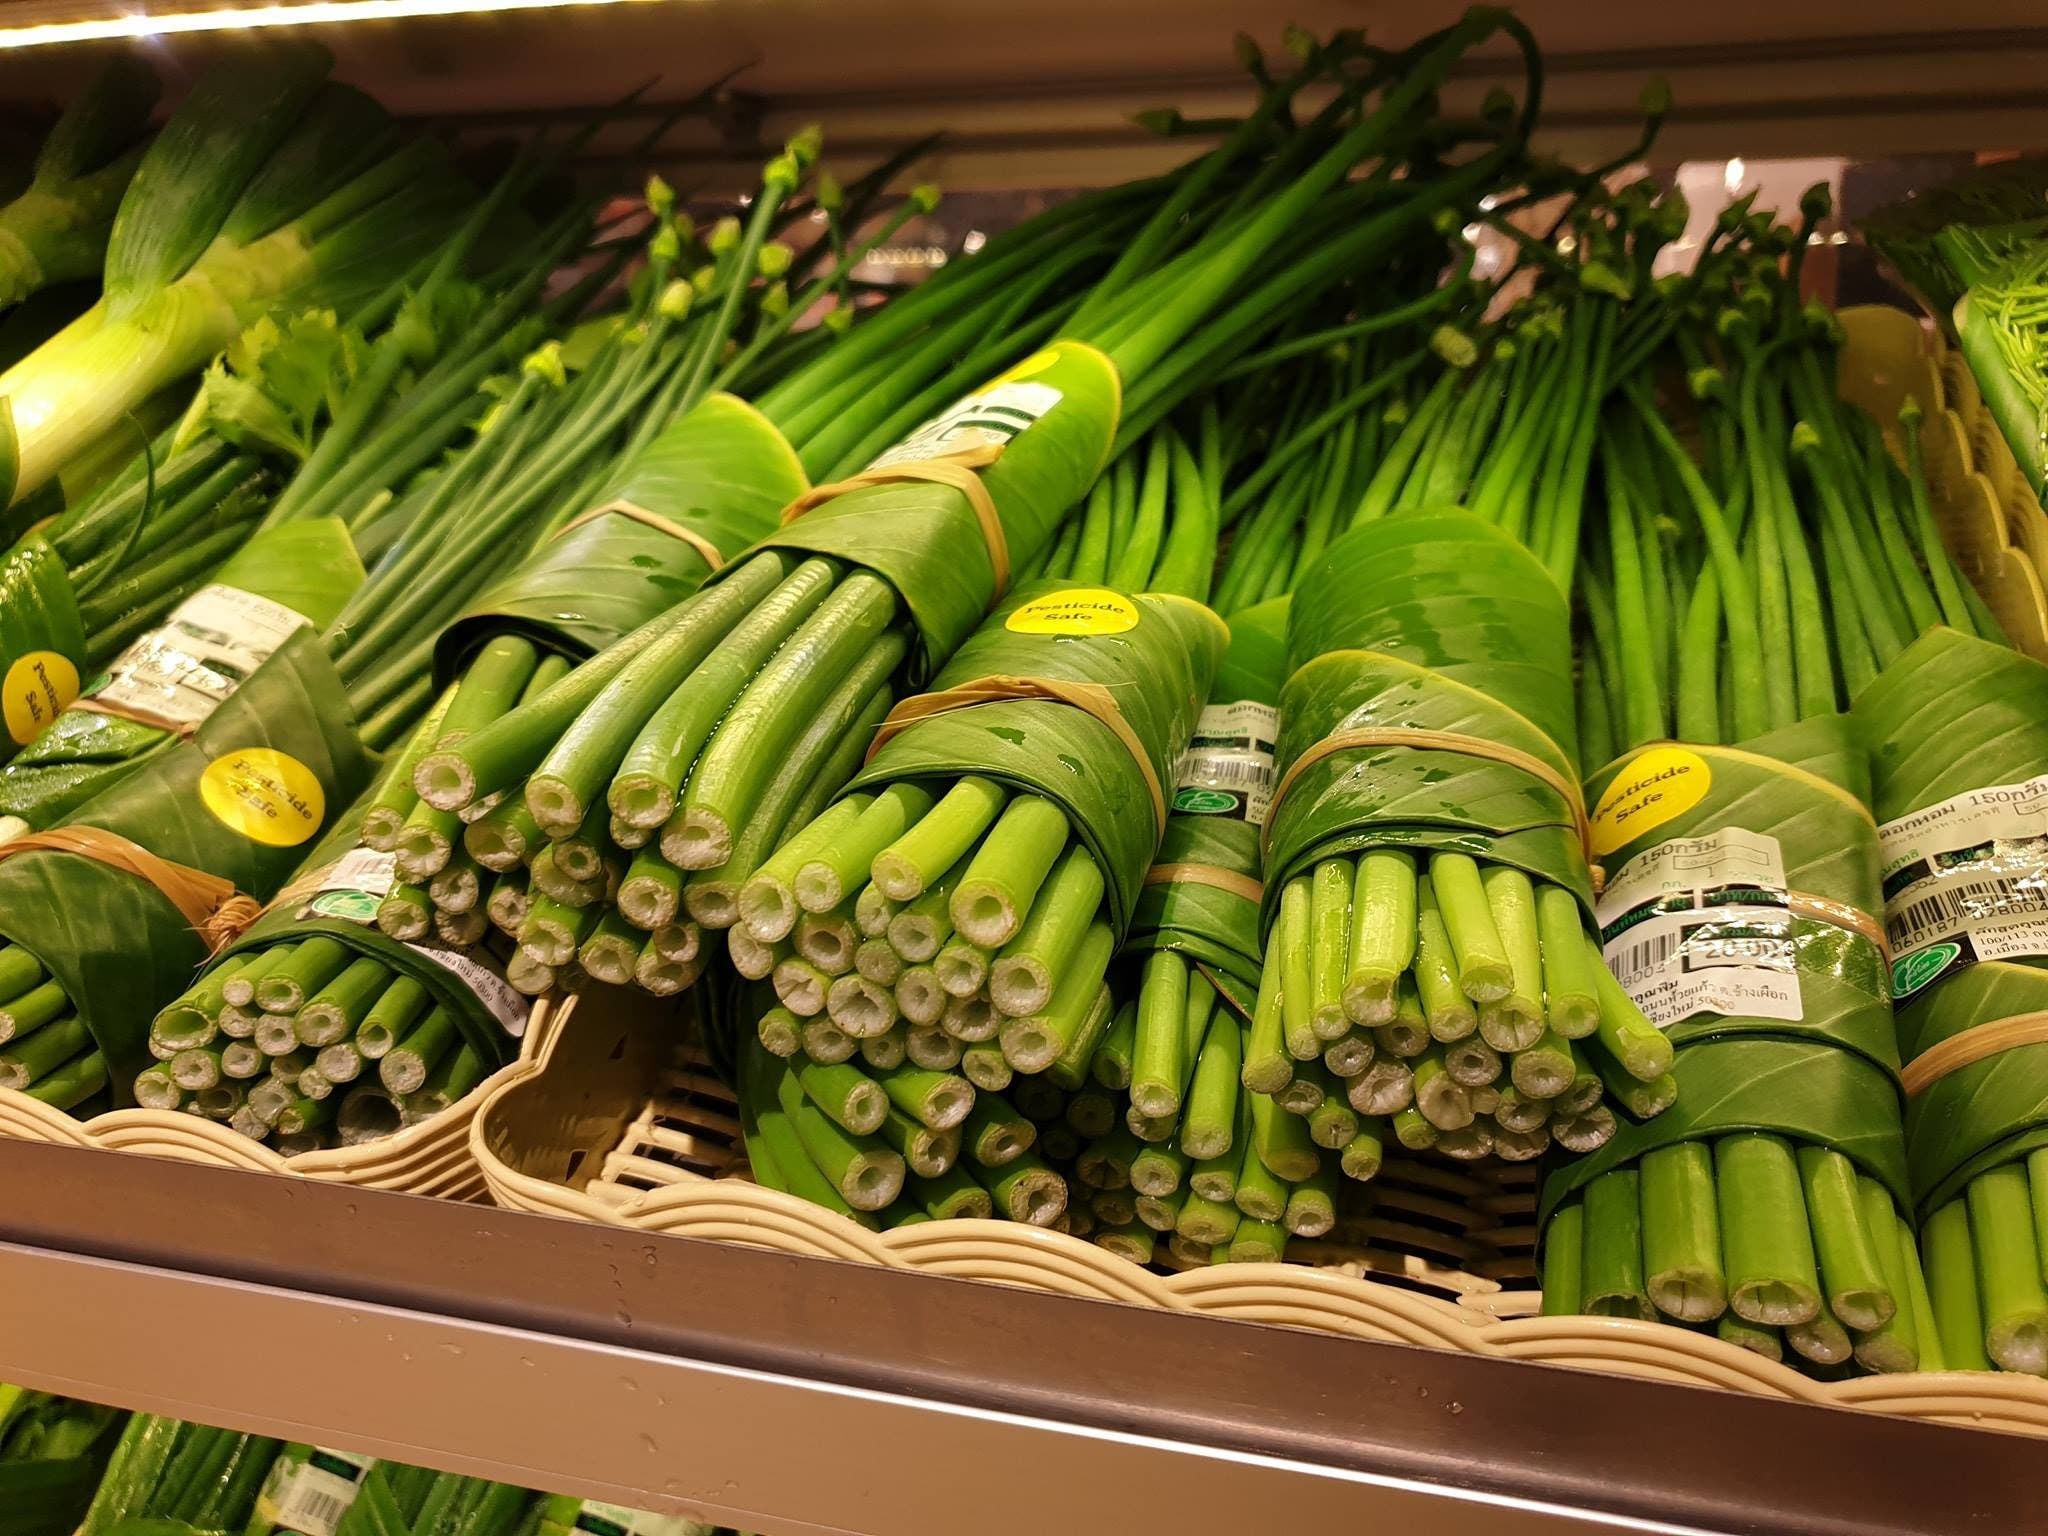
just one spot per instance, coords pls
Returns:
(314, 1511)
(1643, 956)
(1958, 908)
(1227, 773)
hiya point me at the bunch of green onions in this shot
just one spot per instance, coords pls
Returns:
(307, 1045)
(1459, 1003)
(1792, 1253)
(1986, 1259)
(46, 1050)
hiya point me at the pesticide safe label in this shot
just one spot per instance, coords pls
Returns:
(39, 687)
(1966, 880)
(178, 674)
(1703, 925)
(1075, 611)
(601, 1519)
(308, 1498)
(986, 419)
(1227, 769)
(1654, 787)
(268, 796)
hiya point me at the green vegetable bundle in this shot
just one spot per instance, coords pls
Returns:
(368, 1001)
(176, 675)
(952, 916)
(51, 1453)
(1958, 729)
(1740, 911)
(92, 946)
(1428, 969)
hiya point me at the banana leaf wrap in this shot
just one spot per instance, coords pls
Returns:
(1050, 419)
(1216, 815)
(42, 642)
(260, 778)
(282, 579)
(1952, 716)
(335, 892)
(1433, 620)
(1156, 654)
(723, 473)
(1805, 788)
(1798, 1089)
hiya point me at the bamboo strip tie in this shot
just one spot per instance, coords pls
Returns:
(216, 911)
(1975, 1044)
(1236, 883)
(953, 469)
(1090, 698)
(650, 519)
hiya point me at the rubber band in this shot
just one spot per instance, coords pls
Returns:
(1840, 914)
(1090, 698)
(1230, 880)
(184, 729)
(954, 469)
(216, 911)
(1971, 1046)
(1425, 739)
(654, 520)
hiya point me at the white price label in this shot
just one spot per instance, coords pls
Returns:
(1703, 925)
(1966, 880)
(989, 418)
(309, 1498)
(181, 671)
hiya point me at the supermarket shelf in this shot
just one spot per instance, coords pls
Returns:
(594, 1360)
(1041, 94)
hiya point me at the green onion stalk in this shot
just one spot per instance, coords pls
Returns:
(937, 939)
(1957, 738)
(1430, 972)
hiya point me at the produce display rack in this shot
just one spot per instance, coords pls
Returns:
(795, 1395)
(784, 1393)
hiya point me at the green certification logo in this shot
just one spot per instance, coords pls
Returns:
(349, 906)
(1204, 802)
(1911, 972)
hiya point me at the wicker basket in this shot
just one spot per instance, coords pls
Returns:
(621, 1122)
(430, 1158)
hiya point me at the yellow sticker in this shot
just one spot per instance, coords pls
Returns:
(39, 686)
(265, 795)
(1075, 611)
(1655, 786)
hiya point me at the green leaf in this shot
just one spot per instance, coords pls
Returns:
(723, 472)
(276, 384)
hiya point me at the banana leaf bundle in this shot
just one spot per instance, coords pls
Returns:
(110, 912)
(1428, 968)
(375, 995)
(1958, 729)
(52, 1450)
(172, 678)
(1740, 912)
(952, 916)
